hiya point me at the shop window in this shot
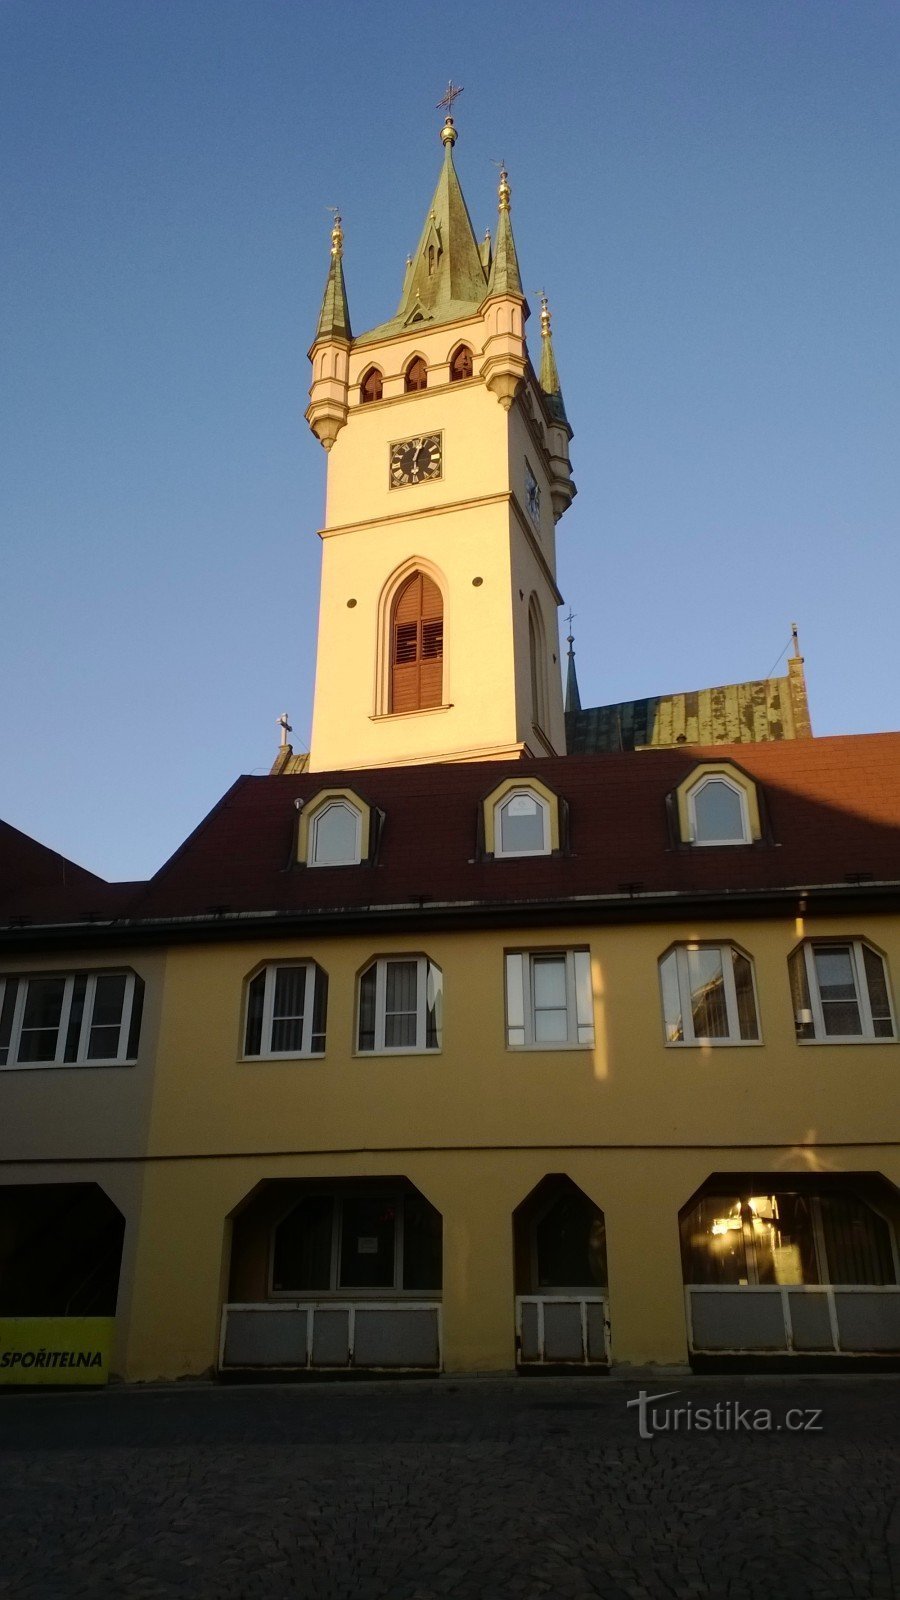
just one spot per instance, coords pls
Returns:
(708, 995)
(840, 992)
(786, 1237)
(286, 1010)
(358, 1243)
(70, 1019)
(400, 1006)
(548, 999)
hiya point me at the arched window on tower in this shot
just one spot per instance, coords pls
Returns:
(537, 655)
(416, 375)
(461, 364)
(417, 646)
(371, 387)
(431, 261)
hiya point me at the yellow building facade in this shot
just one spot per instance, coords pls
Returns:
(444, 1050)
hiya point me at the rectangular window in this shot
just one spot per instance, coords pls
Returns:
(549, 1001)
(286, 1008)
(400, 1006)
(708, 995)
(840, 992)
(74, 1019)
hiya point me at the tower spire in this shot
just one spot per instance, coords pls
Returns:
(549, 379)
(573, 698)
(505, 276)
(334, 318)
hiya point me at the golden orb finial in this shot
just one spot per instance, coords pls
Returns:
(504, 190)
(337, 233)
(449, 134)
(545, 317)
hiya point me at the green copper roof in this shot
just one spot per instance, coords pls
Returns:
(736, 713)
(447, 279)
(334, 318)
(549, 378)
(505, 275)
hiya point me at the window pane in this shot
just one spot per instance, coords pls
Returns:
(43, 1013)
(255, 997)
(422, 1253)
(803, 1017)
(584, 999)
(400, 1004)
(76, 1013)
(335, 831)
(106, 1019)
(367, 1244)
(521, 824)
(134, 1027)
(320, 1008)
(548, 984)
(10, 990)
(837, 990)
(302, 1254)
(668, 972)
(434, 1007)
(367, 1010)
(515, 1000)
(570, 1244)
(718, 813)
(748, 1024)
(288, 1009)
(707, 982)
(857, 1241)
(712, 1242)
(783, 1237)
(879, 1002)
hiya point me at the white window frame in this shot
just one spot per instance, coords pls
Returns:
(336, 1291)
(498, 823)
(121, 1058)
(733, 1038)
(699, 786)
(519, 999)
(314, 821)
(271, 971)
(858, 968)
(381, 963)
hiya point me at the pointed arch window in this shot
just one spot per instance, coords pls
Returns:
(417, 646)
(416, 375)
(431, 261)
(538, 663)
(372, 387)
(461, 365)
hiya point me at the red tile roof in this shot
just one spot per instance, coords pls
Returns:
(833, 807)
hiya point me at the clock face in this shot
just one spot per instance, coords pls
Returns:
(532, 494)
(415, 460)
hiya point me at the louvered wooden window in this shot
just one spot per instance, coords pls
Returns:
(461, 364)
(417, 646)
(371, 386)
(416, 375)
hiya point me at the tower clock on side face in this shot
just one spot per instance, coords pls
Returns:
(414, 460)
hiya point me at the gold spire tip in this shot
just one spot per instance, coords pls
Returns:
(545, 316)
(337, 233)
(504, 191)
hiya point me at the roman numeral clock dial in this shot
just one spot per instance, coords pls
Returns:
(415, 460)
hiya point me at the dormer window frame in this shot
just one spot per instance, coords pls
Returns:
(531, 793)
(739, 783)
(492, 807)
(311, 816)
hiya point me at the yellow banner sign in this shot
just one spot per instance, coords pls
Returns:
(55, 1349)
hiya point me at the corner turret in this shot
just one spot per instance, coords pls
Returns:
(327, 410)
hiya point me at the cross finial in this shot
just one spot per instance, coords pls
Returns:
(453, 93)
(285, 726)
(570, 619)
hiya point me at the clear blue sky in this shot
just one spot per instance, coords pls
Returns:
(708, 189)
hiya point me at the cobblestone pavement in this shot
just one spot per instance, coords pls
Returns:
(478, 1489)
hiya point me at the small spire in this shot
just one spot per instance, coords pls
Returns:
(334, 317)
(549, 378)
(505, 276)
(573, 698)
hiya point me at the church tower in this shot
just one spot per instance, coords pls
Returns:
(448, 468)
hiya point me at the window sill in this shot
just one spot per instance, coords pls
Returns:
(713, 1044)
(282, 1055)
(850, 1038)
(410, 1050)
(420, 711)
(64, 1066)
(548, 1049)
(343, 1297)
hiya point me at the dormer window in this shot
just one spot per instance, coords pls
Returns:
(718, 810)
(335, 830)
(718, 805)
(461, 365)
(416, 375)
(372, 387)
(522, 825)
